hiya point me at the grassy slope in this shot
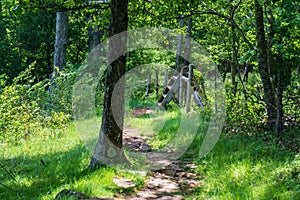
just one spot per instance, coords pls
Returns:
(43, 166)
(239, 167)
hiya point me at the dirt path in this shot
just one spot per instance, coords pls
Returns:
(173, 181)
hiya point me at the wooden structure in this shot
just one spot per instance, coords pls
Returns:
(182, 84)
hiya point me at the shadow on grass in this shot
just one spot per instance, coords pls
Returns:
(244, 167)
(36, 176)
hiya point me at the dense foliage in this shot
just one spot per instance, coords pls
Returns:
(29, 108)
(254, 43)
(227, 30)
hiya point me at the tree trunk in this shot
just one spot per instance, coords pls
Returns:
(187, 50)
(2, 26)
(263, 65)
(109, 146)
(60, 48)
(234, 62)
(2, 39)
(61, 40)
(179, 43)
(276, 68)
(94, 33)
(279, 113)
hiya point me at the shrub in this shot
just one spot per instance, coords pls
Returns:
(245, 111)
(24, 104)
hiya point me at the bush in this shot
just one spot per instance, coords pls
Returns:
(24, 104)
(245, 113)
(59, 93)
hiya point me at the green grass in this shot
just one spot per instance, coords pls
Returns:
(42, 166)
(241, 167)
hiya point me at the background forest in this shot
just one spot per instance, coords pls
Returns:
(254, 43)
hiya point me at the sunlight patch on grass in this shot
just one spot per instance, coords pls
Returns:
(88, 131)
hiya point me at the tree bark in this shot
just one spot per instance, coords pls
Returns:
(94, 33)
(275, 67)
(2, 26)
(263, 65)
(179, 42)
(279, 113)
(187, 50)
(234, 63)
(2, 39)
(61, 40)
(109, 146)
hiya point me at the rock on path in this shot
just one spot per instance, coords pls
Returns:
(171, 183)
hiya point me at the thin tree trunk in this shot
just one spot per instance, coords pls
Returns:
(109, 146)
(179, 43)
(269, 96)
(2, 25)
(187, 50)
(60, 49)
(234, 63)
(2, 40)
(276, 68)
(95, 34)
(61, 40)
(279, 113)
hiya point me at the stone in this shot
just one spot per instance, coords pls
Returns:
(192, 166)
(145, 147)
(124, 183)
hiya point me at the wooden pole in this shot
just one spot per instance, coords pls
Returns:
(166, 78)
(188, 92)
(180, 88)
(157, 83)
(148, 85)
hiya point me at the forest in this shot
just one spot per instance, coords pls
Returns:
(149, 99)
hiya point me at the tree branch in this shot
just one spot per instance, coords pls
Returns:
(243, 36)
(61, 8)
(213, 12)
(236, 6)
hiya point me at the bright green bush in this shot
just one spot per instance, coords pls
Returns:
(24, 105)
(59, 94)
